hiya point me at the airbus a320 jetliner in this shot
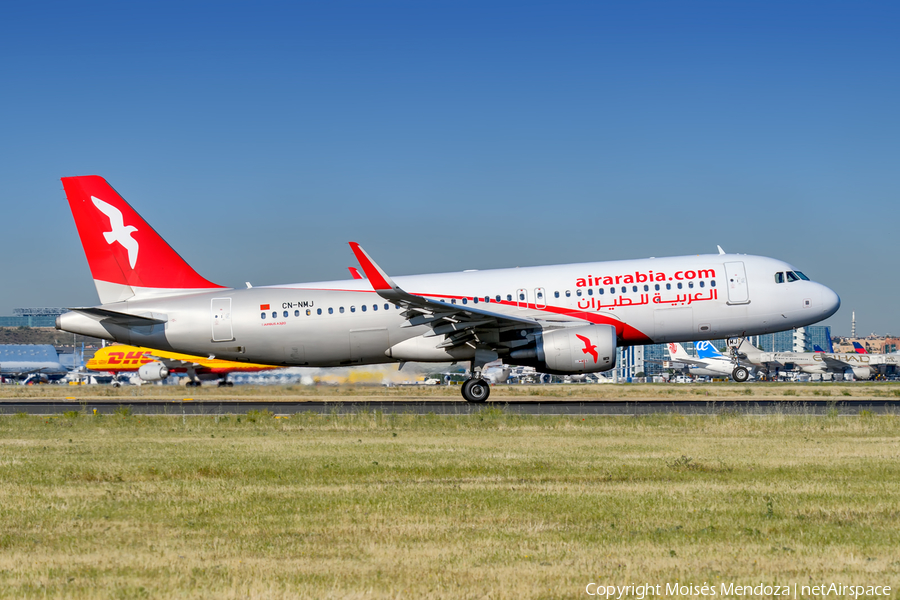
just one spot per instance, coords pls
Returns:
(563, 319)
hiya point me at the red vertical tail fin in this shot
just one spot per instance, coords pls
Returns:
(126, 256)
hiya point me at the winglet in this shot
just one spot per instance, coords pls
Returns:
(720, 249)
(380, 280)
(355, 273)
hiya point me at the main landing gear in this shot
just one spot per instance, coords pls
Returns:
(476, 390)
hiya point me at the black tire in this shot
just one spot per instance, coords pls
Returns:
(476, 390)
(740, 374)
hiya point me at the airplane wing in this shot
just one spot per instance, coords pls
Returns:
(461, 324)
(177, 364)
(835, 364)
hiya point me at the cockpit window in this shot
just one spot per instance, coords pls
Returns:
(792, 277)
(801, 276)
(779, 277)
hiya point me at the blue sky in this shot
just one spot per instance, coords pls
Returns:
(258, 138)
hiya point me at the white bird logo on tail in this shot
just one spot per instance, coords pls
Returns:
(120, 232)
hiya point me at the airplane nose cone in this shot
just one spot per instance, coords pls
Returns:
(831, 302)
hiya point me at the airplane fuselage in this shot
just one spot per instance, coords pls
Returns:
(346, 322)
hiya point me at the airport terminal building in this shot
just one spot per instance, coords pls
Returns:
(32, 317)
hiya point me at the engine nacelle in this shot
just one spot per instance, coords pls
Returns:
(155, 371)
(862, 372)
(587, 349)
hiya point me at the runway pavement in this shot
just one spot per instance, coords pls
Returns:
(565, 407)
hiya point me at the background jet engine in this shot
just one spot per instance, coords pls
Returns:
(587, 349)
(862, 372)
(155, 371)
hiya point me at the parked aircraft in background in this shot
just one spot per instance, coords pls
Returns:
(861, 366)
(31, 363)
(156, 365)
(565, 319)
(859, 348)
(709, 362)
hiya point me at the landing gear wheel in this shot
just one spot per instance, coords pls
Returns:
(193, 384)
(740, 374)
(226, 384)
(476, 390)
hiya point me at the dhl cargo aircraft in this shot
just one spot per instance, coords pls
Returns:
(563, 319)
(156, 365)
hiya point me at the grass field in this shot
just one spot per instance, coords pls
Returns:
(491, 505)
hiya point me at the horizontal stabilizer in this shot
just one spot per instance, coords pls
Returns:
(119, 318)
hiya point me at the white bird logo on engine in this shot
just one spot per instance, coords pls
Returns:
(120, 232)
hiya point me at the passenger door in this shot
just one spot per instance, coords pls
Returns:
(736, 279)
(221, 320)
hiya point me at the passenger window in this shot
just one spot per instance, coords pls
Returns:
(262, 316)
(475, 300)
(590, 291)
(352, 309)
(308, 312)
(374, 307)
(712, 283)
(779, 277)
(498, 298)
(363, 307)
(386, 306)
(577, 293)
(568, 294)
(274, 314)
(540, 295)
(509, 297)
(556, 294)
(702, 284)
(601, 291)
(679, 285)
(791, 277)
(624, 289)
(646, 288)
(465, 301)
(668, 286)
(634, 288)
(297, 313)
(330, 311)
(612, 290)
(691, 284)
(487, 299)
(285, 314)
(318, 311)
(657, 287)
(522, 297)
(341, 310)
(452, 300)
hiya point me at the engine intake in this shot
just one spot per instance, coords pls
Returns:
(155, 371)
(587, 349)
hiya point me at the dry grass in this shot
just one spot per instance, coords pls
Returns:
(491, 505)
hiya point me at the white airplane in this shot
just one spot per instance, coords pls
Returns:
(564, 319)
(709, 362)
(861, 366)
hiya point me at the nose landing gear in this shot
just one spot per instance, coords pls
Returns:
(740, 374)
